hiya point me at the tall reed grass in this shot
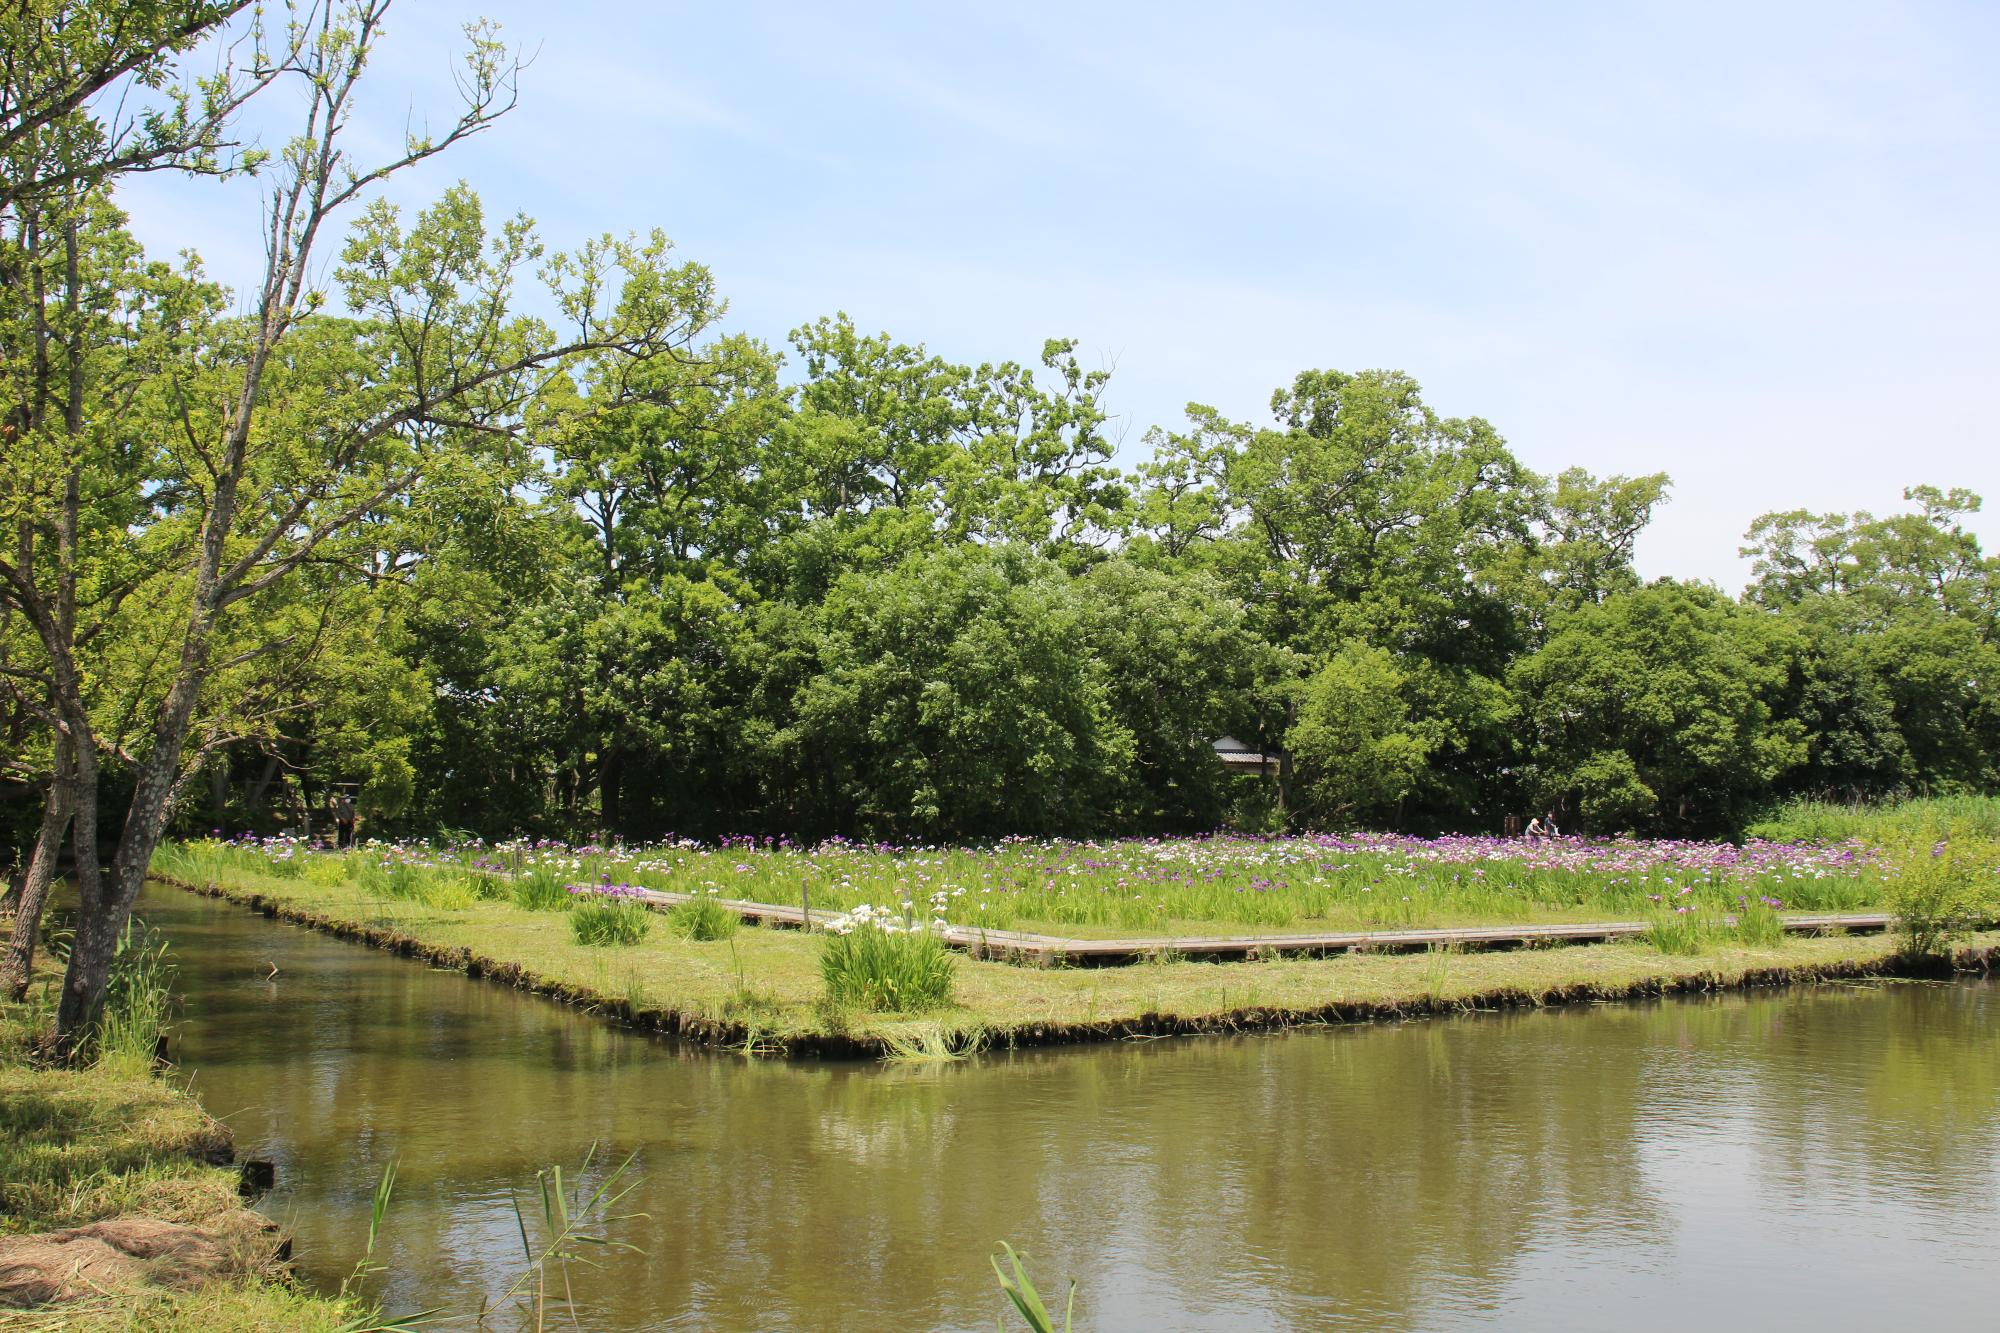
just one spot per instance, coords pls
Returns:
(138, 1002)
(1967, 816)
(874, 966)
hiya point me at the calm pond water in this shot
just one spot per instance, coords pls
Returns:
(1827, 1158)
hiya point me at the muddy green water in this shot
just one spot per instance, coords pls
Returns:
(1825, 1158)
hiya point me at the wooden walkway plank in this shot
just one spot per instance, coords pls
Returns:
(1028, 947)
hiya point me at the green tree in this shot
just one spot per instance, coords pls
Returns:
(1943, 682)
(1179, 496)
(84, 321)
(1926, 559)
(1854, 745)
(89, 93)
(1653, 710)
(1900, 617)
(955, 696)
(904, 450)
(1354, 748)
(1182, 668)
(288, 431)
(1586, 528)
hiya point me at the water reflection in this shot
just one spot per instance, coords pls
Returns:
(1825, 1154)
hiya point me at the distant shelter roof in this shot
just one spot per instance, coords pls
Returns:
(1235, 754)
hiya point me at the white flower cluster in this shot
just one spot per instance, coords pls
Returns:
(887, 920)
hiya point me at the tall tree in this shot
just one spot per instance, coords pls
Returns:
(88, 91)
(1654, 710)
(954, 696)
(1356, 750)
(287, 433)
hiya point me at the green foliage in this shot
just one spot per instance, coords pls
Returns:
(703, 918)
(1181, 667)
(1353, 746)
(1590, 526)
(1887, 824)
(956, 697)
(1702, 925)
(1027, 1301)
(608, 921)
(1943, 884)
(138, 1002)
(1378, 517)
(886, 970)
(391, 879)
(1682, 931)
(541, 888)
(1759, 925)
(1653, 711)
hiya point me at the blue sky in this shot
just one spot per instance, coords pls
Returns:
(1748, 246)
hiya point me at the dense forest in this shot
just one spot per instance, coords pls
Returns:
(850, 587)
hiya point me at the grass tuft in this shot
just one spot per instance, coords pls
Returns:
(1758, 925)
(884, 970)
(540, 889)
(931, 1043)
(610, 921)
(703, 919)
(1682, 932)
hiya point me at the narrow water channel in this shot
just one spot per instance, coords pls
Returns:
(1823, 1158)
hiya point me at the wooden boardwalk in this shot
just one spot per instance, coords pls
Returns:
(1021, 946)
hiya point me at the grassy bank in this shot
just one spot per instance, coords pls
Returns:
(1833, 821)
(765, 986)
(126, 1155)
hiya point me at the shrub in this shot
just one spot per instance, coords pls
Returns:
(610, 921)
(703, 919)
(876, 965)
(1940, 889)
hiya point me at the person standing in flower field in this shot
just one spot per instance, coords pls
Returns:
(343, 822)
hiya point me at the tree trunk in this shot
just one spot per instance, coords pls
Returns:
(95, 943)
(611, 790)
(19, 961)
(107, 898)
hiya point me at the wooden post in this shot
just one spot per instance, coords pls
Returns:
(805, 908)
